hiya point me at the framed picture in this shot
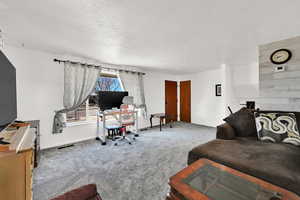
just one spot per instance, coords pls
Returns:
(218, 90)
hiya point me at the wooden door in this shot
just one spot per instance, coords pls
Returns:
(185, 101)
(171, 100)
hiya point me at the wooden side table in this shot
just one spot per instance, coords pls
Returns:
(207, 180)
(162, 117)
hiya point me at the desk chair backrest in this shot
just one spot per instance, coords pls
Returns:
(127, 115)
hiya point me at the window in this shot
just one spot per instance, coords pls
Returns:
(88, 110)
(108, 83)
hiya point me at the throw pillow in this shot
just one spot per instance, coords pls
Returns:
(277, 127)
(243, 123)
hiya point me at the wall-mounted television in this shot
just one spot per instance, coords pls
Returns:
(109, 99)
(8, 91)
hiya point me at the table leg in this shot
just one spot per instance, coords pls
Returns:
(136, 125)
(160, 120)
(103, 130)
(151, 120)
(97, 137)
(102, 139)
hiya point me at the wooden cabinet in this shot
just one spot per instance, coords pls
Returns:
(16, 175)
(16, 172)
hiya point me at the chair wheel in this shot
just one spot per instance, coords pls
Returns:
(133, 138)
(129, 142)
(116, 144)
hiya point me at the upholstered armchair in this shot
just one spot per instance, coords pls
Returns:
(87, 192)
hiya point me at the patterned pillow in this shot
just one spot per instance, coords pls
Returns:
(277, 127)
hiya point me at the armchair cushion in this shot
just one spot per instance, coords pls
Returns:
(225, 132)
(277, 163)
(243, 123)
(87, 192)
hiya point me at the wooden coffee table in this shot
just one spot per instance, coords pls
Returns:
(208, 180)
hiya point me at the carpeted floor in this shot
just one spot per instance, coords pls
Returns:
(125, 172)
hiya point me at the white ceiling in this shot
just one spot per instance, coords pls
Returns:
(171, 35)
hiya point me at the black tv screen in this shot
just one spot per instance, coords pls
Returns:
(108, 99)
(8, 91)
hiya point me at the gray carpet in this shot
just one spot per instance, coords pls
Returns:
(125, 172)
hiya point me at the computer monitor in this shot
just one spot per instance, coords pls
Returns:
(108, 99)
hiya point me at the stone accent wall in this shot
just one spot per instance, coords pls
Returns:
(279, 90)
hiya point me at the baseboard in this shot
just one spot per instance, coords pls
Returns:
(66, 146)
(93, 138)
(68, 143)
(203, 125)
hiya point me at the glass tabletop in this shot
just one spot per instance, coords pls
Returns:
(222, 185)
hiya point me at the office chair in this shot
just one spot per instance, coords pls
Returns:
(127, 118)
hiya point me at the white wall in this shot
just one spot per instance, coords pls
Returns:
(243, 84)
(155, 90)
(281, 88)
(40, 91)
(239, 83)
(206, 108)
(154, 84)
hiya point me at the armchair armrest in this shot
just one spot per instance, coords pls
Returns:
(225, 132)
(87, 192)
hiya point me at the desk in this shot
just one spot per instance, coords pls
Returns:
(162, 117)
(102, 116)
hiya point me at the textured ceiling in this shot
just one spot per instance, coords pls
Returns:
(170, 35)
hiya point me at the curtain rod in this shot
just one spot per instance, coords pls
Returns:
(97, 66)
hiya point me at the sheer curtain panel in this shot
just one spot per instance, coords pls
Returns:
(134, 84)
(79, 84)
